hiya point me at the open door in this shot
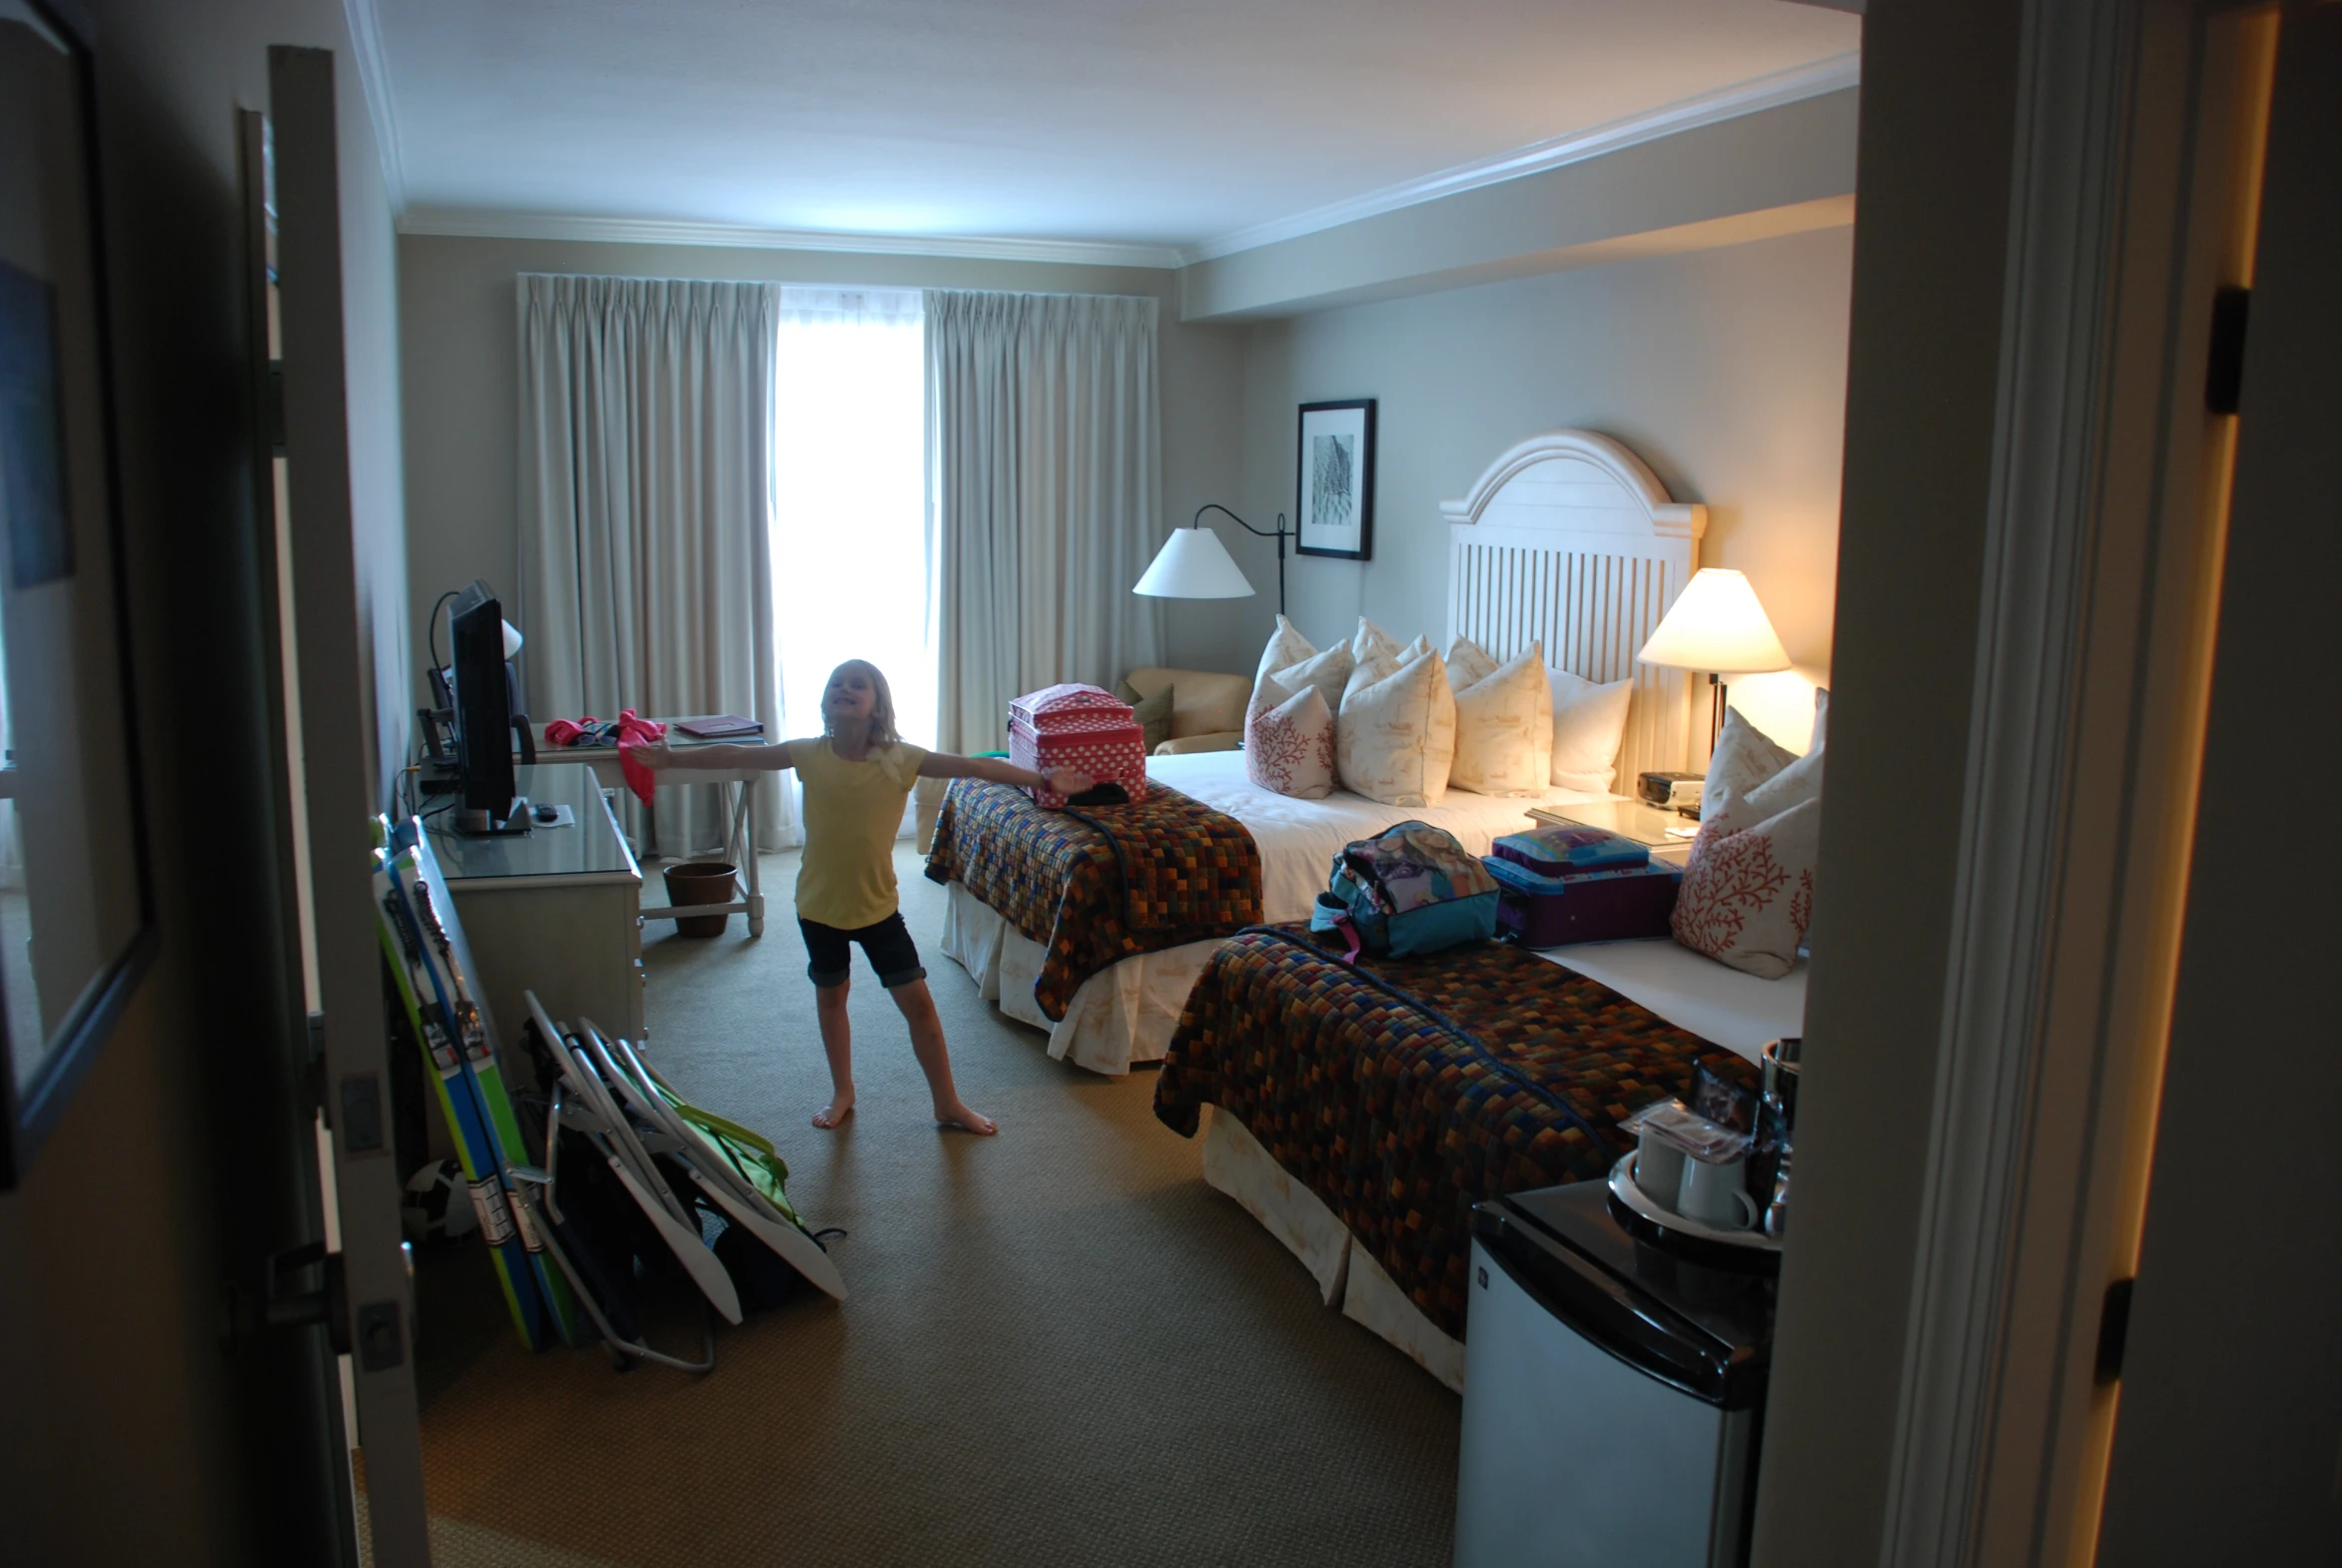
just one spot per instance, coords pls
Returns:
(2228, 1436)
(325, 791)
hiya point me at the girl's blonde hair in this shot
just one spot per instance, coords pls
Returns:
(882, 710)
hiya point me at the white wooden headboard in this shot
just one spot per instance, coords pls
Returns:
(1569, 539)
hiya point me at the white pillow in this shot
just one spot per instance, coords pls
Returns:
(1467, 663)
(1394, 739)
(1329, 672)
(1289, 748)
(1415, 649)
(1748, 890)
(1286, 647)
(1504, 728)
(1588, 721)
(1795, 784)
(1820, 719)
(1369, 640)
(1744, 757)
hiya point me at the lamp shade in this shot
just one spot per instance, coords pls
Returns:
(1194, 564)
(1717, 626)
(511, 640)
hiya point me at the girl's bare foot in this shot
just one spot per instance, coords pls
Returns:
(957, 1115)
(832, 1115)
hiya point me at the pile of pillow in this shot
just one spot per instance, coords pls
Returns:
(1400, 724)
(1748, 890)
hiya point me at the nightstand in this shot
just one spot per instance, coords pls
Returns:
(1669, 833)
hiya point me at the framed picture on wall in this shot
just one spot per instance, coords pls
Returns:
(1334, 486)
(77, 922)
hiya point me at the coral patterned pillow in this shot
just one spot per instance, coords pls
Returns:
(1289, 748)
(1748, 893)
(1504, 728)
(1394, 739)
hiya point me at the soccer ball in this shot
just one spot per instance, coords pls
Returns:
(438, 1205)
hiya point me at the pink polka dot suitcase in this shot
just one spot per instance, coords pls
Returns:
(1081, 727)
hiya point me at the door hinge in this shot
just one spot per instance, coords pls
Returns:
(2224, 369)
(2113, 1330)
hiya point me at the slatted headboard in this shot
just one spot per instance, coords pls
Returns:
(1569, 539)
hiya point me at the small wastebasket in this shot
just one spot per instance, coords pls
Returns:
(701, 882)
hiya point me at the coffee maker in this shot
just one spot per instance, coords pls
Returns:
(1776, 1128)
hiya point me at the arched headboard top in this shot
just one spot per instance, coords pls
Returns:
(1569, 541)
(1579, 482)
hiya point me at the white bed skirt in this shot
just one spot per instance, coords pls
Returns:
(1347, 1274)
(1119, 1016)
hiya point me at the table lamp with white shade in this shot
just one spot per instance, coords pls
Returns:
(1716, 628)
(1194, 564)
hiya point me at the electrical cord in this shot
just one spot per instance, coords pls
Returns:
(431, 627)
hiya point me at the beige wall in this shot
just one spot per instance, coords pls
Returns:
(1724, 369)
(460, 333)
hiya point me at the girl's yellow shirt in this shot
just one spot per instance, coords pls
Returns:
(853, 811)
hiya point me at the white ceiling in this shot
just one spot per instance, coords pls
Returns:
(1151, 122)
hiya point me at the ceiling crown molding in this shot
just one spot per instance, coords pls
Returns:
(479, 225)
(373, 79)
(1727, 103)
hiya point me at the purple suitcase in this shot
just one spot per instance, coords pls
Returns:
(1604, 905)
(1557, 851)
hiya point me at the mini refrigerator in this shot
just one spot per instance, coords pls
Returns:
(1613, 1389)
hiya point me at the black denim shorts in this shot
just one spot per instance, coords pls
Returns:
(886, 945)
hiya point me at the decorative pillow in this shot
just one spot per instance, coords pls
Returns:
(1394, 739)
(1329, 672)
(1504, 728)
(1744, 757)
(1467, 663)
(1370, 641)
(1800, 781)
(1820, 719)
(1588, 720)
(1415, 649)
(1289, 748)
(1748, 891)
(1151, 714)
(1286, 647)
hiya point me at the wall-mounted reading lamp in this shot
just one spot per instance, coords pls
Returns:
(1194, 564)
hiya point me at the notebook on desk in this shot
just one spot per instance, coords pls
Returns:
(721, 726)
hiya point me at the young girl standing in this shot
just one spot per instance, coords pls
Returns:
(857, 775)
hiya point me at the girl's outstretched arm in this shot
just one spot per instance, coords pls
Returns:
(942, 766)
(658, 754)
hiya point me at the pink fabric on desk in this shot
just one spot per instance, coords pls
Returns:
(632, 732)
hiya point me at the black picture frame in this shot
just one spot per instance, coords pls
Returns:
(65, 544)
(1333, 479)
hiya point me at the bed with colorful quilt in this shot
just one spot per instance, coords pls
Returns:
(1358, 1112)
(1093, 925)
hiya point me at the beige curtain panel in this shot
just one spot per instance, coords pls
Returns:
(645, 452)
(1044, 462)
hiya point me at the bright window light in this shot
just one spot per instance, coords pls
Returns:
(850, 546)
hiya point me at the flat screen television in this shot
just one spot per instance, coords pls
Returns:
(485, 719)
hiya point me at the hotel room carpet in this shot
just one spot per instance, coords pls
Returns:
(1060, 1346)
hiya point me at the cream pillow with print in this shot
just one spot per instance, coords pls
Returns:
(1329, 672)
(1371, 641)
(1504, 728)
(1748, 889)
(1589, 719)
(1744, 757)
(1288, 748)
(1286, 647)
(1467, 663)
(1394, 739)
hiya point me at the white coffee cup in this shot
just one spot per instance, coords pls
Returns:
(1714, 1196)
(1659, 1169)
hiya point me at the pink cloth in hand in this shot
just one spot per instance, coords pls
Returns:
(632, 732)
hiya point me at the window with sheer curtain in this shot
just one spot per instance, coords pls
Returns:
(851, 549)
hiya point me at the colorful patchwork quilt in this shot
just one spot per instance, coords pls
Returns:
(1095, 884)
(1404, 1091)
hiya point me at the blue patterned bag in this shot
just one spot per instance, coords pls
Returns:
(1411, 888)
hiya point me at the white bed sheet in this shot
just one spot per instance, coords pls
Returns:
(1299, 838)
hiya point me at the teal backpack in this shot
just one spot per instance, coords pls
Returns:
(1410, 889)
